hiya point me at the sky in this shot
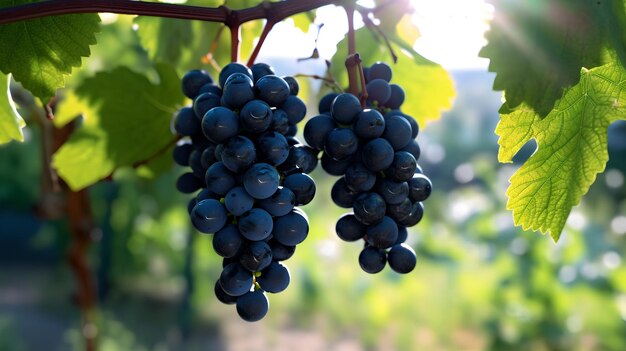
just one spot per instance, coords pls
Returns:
(451, 33)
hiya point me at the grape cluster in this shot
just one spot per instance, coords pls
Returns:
(375, 152)
(251, 172)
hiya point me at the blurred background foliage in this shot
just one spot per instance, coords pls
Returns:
(480, 283)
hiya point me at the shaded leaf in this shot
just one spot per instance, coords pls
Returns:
(40, 52)
(130, 122)
(572, 148)
(11, 123)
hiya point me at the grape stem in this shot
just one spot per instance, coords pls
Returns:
(223, 14)
(266, 30)
(372, 26)
(351, 64)
(364, 94)
(328, 81)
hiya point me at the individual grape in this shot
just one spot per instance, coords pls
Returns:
(369, 124)
(341, 143)
(210, 88)
(345, 108)
(379, 70)
(219, 124)
(195, 163)
(235, 280)
(348, 228)
(227, 241)
(295, 108)
(419, 187)
(252, 306)
(402, 168)
(256, 116)
(261, 181)
(279, 204)
(372, 260)
(281, 252)
(219, 179)
(291, 229)
(342, 195)
(181, 153)
(208, 216)
(193, 80)
(256, 256)
(239, 154)
(402, 235)
(377, 155)
(272, 148)
(275, 278)
(359, 179)
(207, 158)
(335, 167)
(369, 208)
(393, 192)
(301, 159)
(237, 201)
(303, 187)
(273, 90)
(256, 224)
(186, 123)
(238, 90)
(417, 212)
(205, 194)
(402, 258)
(383, 234)
(399, 211)
(413, 148)
(204, 102)
(316, 130)
(411, 120)
(232, 68)
(326, 102)
(397, 132)
(397, 97)
(294, 87)
(378, 90)
(280, 122)
(222, 296)
(261, 70)
(188, 183)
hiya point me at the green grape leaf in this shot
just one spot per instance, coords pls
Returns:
(537, 48)
(164, 38)
(129, 123)
(40, 52)
(11, 123)
(428, 87)
(572, 148)
(303, 20)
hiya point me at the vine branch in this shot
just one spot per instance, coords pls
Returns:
(280, 10)
(351, 63)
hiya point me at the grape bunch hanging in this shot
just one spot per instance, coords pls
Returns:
(375, 152)
(251, 172)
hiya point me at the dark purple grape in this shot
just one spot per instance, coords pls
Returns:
(335, 167)
(235, 280)
(316, 130)
(348, 228)
(256, 225)
(208, 216)
(188, 183)
(273, 90)
(253, 306)
(397, 132)
(279, 204)
(402, 168)
(393, 192)
(207, 158)
(419, 187)
(281, 252)
(256, 116)
(294, 87)
(369, 124)
(238, 90)
(280, 122)
(413, 148)
(359, 179)
(291, 229)
(210, 88)
(341, 143)
(295, 108)
(232, 68)
(402, 258)
(344, 108)
(342, 195)
(227, 241)
(272, 148)
(401, 210)
(379, 70)
(369, 208)
(377, 155)
(222, 296)
(382, 234)
(238, 201)
(378, 91)
(181, 153)
(326, 102)
(219, 124)
(239, 154)
(402, 235)
(260, 70)
(261, 181)
(303, 187)
(372, 260)
(204, 102)
(274, 278)
(219, 179)
(186, 123)
(193, 80)
(255, 256)
(397, 97)
(417, 212)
